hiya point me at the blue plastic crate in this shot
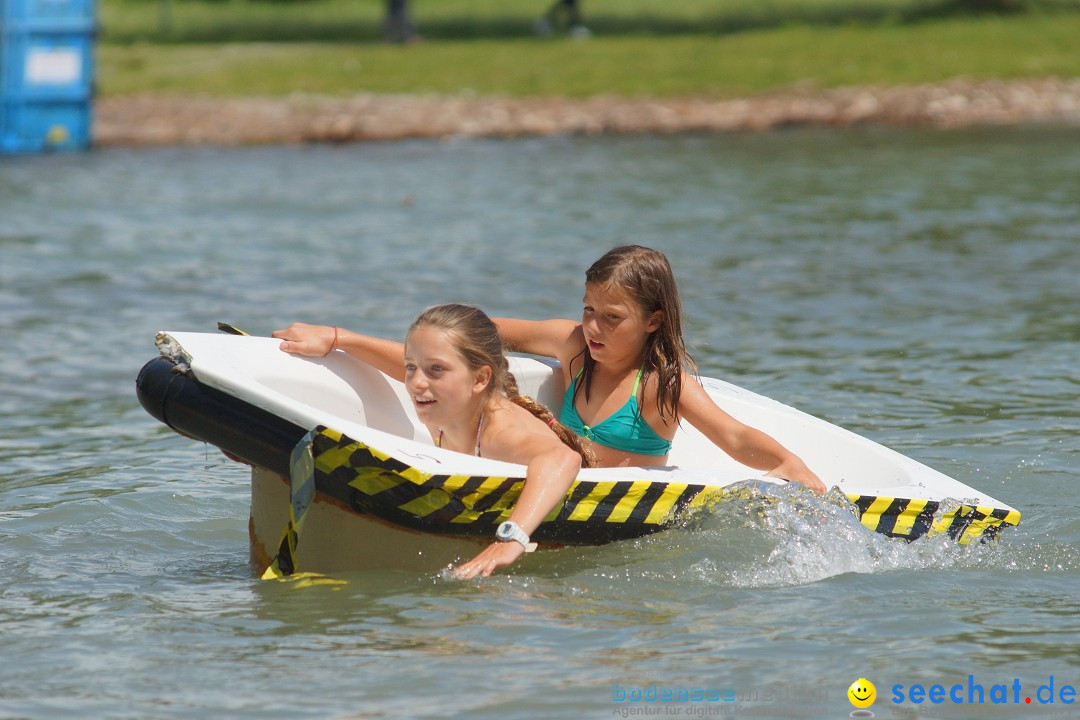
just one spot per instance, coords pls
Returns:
(46, 74)
(47, 11)
(43, 126)
(47, 65)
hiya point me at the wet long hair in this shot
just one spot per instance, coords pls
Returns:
(645, 275)
(475, 336)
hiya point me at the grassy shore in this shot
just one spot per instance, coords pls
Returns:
(712, 48)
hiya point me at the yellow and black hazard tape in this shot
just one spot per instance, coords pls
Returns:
(592, 513)
(301, 495)
(912, 519)
(231, 329)
(374, 483)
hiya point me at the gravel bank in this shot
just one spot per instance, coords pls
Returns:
(170, 120)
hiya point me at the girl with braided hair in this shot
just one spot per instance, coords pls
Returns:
(456, 374)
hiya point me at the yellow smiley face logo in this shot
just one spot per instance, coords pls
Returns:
(862, 693)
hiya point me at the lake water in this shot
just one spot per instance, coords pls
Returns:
(918, 287)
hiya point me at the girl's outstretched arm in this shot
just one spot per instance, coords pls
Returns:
(549, 338)
(745, 444)
(386, 356)
(549, 476)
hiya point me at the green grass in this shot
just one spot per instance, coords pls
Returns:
(720, 65)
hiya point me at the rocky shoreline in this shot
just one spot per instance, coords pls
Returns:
(149, 120)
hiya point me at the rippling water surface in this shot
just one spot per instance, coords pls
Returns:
(917, 287)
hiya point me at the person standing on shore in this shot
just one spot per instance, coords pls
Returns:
(563, 13)
(398, 26)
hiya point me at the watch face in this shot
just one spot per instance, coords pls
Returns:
(505, 531)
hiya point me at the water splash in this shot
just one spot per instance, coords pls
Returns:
(775, 536)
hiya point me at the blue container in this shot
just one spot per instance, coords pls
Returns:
(46, 74)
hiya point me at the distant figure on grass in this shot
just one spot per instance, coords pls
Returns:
(398, 26)
(563, 13)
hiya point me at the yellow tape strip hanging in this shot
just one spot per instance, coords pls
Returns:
(231, 329)
(301, 495)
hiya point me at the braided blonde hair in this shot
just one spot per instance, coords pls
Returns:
(476, 337)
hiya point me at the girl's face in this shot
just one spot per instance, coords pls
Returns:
(439, 381)
(615, 326)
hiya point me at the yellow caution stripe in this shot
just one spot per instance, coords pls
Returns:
(231, 329)
(912, 518)
(371, 481)
(301, 495)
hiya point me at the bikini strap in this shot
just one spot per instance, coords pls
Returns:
(574, 382)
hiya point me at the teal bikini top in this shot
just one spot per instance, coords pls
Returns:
(624, 429)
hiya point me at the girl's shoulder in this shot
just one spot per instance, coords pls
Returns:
(668, 386)
(504, 415)
(514, 434)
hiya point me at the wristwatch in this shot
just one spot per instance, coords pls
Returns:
(510, 531)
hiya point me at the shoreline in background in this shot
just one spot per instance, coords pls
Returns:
(157, 120)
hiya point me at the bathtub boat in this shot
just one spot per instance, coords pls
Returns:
(344, 476)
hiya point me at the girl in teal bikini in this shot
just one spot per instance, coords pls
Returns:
(625, 367)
